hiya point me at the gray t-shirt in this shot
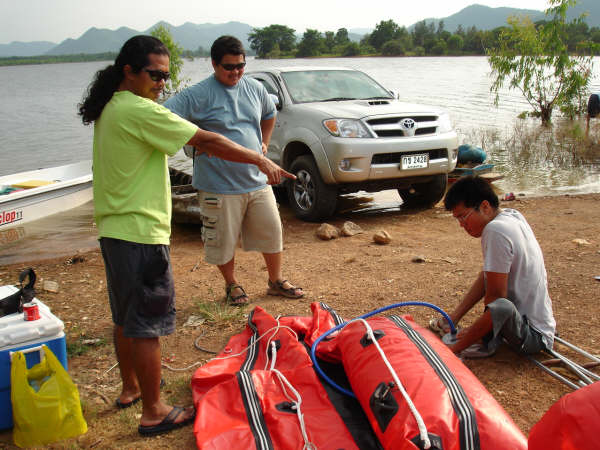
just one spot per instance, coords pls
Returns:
(509, 246)
(235, 112)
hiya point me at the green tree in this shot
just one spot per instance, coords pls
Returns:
(421, 32)
(439, 48)
(175, 83)
(473, 43)
(385, 30)
(536, 61)
(595, 35)
(455, 44)
(311, 44)
(341, 37)
(329, 41)
(440, 28)
(263, 40)
(351, 49)
(366, 49)
(392, 48)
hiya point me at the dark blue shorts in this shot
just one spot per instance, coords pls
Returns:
(140, 287)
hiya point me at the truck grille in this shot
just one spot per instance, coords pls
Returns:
(390, 126)
(394, 158)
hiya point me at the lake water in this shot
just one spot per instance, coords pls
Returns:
(39, 126)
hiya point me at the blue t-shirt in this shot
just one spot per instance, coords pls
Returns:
(234, 112)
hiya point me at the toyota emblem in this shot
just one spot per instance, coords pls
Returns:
(408, 125)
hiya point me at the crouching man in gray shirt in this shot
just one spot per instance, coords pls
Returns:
(513, 283)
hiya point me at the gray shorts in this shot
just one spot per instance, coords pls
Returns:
(509, 324)
(140, 287)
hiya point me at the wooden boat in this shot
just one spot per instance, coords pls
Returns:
(484, 171)
(31, 195)
(184, 198)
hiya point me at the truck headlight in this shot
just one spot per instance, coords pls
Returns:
(444, 123)
(349, 128)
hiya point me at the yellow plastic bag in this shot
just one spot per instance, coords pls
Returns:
(45, 402)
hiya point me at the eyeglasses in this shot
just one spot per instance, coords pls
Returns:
(464, 217)
(230, 67)
(157, 75)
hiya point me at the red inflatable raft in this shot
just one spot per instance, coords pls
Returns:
(263, 392)
(455, 409)
(572, 423)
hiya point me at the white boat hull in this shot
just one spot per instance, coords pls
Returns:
(71, 187)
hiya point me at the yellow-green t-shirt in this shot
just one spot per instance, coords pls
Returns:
(132, 190)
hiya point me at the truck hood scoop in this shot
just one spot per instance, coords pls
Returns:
(377, 102)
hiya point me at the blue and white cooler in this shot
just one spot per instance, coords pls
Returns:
(17, 334)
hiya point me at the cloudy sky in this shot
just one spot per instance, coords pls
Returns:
(56, 20)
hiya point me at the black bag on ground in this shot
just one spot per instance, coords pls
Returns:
(14, 302)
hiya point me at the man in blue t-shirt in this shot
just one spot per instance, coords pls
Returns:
(234, 198)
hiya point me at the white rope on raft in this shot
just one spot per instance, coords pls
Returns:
(297, 402)
(420, 423)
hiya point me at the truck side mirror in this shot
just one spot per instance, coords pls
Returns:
(276, 100)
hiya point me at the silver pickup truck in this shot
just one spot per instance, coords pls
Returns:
(339, 131)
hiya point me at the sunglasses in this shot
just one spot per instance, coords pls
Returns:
(157, 75)
(230, 67)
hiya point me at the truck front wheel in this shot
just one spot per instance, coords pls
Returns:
(425, 195)
(310, 198)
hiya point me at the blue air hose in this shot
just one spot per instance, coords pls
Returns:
(313, 349)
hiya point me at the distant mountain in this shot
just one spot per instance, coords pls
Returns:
(591, 7)
(486, 18)
(17, 48)
(94, 40)
(483, 17)
(190, 36)
(359, 31)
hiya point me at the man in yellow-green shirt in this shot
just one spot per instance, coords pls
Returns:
(133, 136)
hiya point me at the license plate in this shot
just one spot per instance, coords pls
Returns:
(415, 161)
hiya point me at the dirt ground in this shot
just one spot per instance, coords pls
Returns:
(351, 274)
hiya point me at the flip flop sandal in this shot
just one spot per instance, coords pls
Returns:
(125, 405)
(236, 300)
(477, 351)
(167, 424)
(278, 289)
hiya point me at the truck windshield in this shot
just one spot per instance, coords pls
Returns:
(332, 85)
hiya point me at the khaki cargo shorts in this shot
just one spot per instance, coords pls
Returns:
(252, 217)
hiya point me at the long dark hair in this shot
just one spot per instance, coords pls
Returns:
(106, 81)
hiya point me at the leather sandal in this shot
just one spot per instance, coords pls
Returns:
(277, 288)
(236, 300)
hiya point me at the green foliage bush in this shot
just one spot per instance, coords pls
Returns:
(392, 48)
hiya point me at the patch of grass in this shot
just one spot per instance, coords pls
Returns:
(90, 411)
(179, 388)
(82, 345)
(127, 418)
(218, 312)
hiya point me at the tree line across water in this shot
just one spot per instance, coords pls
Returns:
(387, 39)
(390, 39)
